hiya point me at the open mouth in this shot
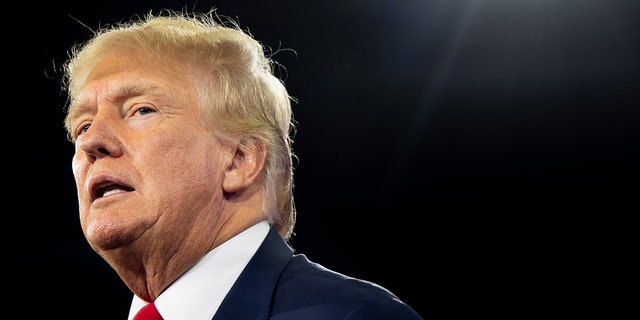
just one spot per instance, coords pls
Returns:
(109, 189)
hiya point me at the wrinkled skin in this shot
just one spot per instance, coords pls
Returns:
(155, 186)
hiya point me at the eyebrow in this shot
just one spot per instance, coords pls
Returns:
(121, 92)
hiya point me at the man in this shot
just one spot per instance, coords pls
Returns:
(184, 177)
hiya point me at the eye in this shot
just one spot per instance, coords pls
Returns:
(144, 110)
(81, 130)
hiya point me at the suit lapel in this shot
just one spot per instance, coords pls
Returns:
(250, 296)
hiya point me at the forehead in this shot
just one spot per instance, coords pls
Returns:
(130, 66)
(116, 78)
(133, 74)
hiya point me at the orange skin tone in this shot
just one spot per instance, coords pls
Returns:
(157, 189)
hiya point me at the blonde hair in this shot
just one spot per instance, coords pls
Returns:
(244, 97)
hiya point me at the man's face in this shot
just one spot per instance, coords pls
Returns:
(147, 168)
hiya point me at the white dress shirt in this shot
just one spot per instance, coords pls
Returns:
(198, 293)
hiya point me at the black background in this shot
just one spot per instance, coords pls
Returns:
(451, 151)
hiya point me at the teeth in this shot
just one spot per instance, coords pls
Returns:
(113, 192)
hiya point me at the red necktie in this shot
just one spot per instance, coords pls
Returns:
(148, 312)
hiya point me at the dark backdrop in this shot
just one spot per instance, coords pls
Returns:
(448, 150)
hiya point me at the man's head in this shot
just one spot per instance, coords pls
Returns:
(181, 113)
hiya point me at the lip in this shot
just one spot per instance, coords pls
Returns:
(102, 183)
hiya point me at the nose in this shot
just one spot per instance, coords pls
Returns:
(100, 139)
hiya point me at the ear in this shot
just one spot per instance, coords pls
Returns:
(246, 165)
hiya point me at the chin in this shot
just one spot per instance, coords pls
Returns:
(104, 237)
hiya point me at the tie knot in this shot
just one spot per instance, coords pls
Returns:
(148, 312)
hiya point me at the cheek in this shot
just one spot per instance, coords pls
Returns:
(186, 169)
(79, 170)
(76, 164)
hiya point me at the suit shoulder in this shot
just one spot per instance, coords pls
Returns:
(306, 285)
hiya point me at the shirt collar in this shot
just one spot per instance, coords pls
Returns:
(198, 293)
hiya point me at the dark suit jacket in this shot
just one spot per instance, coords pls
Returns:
(278, 285)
